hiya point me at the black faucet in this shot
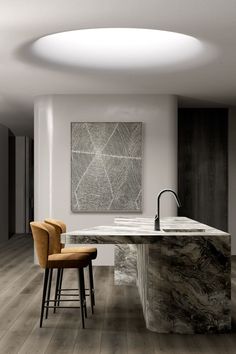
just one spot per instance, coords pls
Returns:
(157, 217)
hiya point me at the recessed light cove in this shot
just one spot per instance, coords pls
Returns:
(120, 48)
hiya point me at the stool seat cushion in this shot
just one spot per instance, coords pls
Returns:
(92, 251)
(68, 260)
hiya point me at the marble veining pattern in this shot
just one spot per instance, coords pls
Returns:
(106, 166)
(137, 231)
(125, 272)
(187, 285)
(183, 277)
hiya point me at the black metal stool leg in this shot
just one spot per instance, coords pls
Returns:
(84, 296)
(81, 293)
(91, 286)
(59, 288)
(44, 295)
(49, 291)
(56, 289)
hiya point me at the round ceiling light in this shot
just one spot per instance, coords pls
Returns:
(120, 48)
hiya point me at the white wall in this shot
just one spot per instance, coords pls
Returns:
(232, 178)
(53, 115)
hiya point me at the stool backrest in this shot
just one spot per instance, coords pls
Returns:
(60, 227)
(42, 234)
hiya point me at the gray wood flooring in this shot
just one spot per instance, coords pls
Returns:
(116, 327)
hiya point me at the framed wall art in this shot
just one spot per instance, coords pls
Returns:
(106, 167)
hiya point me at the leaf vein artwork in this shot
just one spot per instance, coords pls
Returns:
(106, 167)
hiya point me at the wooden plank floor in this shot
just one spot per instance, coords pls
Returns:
(116, 327)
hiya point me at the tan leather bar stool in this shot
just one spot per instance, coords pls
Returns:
(48, 260)
(60, 227)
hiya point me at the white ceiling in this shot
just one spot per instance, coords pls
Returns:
(22, 77)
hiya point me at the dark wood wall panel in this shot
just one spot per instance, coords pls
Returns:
(12, 184)
(203, 165)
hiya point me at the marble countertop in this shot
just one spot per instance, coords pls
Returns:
(182, 274)
(140, 230)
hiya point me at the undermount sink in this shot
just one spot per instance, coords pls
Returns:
(183, 230)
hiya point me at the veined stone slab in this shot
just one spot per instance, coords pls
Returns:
(183, 273)
(125, 272)
(185, 286)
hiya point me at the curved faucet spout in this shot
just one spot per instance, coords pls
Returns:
(157, 217)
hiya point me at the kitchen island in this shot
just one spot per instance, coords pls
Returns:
(182, 272)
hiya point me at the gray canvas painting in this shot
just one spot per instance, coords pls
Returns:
(106, 167)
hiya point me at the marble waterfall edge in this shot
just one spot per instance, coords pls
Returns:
(185, 286)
